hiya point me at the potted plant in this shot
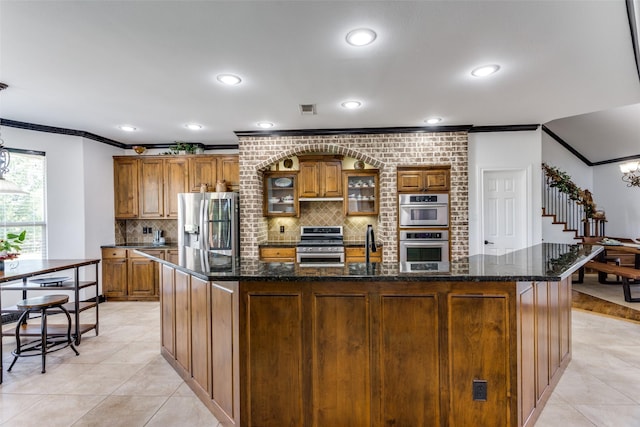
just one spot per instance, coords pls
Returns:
(183, 148)
(10, 246)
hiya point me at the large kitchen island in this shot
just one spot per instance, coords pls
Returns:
(276, 344)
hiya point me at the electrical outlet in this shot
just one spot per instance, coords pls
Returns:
(144, 230)
(282, 228)
(480, 390)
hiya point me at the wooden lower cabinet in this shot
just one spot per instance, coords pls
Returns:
(478, 335)
(315, 353)
(114, 273)
(278, 254)
(200, 338)
(168, 310)
(183, 319)
(142, 275)
(409, 362)
(357, 254)
(129, 276)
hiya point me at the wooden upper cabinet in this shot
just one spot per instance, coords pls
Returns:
(229, 170)
(361, 192)
(331, 179)
(160, 182)
(175, 181)
(151, 188)
(125, 186)
(421, 179)
(309, 179)
(204, 169)
(436, 180)
(320, 176)
(148, 186)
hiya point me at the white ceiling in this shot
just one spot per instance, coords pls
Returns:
(94, 65)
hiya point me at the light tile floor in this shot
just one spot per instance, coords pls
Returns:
(120, 379)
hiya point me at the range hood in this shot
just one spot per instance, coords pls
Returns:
(320, 199)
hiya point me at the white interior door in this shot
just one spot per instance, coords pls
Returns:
(504, 213)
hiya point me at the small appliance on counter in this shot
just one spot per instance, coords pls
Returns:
(210, 222)
(157, 238)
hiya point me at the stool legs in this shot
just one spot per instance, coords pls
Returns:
(66, 312)
(18, 344)
(44, 347)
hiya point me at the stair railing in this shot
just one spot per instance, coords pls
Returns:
(569, 204)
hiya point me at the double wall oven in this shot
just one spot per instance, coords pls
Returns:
(424, 234)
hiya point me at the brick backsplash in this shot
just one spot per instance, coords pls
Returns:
(383, 151)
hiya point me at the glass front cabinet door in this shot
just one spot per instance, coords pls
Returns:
(280, 196)
(361, 192)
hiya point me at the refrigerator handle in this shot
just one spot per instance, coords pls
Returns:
(204, 224)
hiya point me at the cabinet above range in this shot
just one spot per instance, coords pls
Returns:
(147, 186)
(320, 176)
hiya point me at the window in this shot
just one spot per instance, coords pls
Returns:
(26, 211)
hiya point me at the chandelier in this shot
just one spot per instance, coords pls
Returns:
(630, 173)
(6, 187)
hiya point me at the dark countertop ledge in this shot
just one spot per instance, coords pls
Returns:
(141, 246)
(294, 244)
(542, 262)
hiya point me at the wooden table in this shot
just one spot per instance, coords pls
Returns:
(16, 279)
(627, 248)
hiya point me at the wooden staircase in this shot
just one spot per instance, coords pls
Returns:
(568, 211)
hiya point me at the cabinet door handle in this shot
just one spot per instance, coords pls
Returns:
(486, 242)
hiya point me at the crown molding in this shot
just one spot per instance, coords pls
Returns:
(63, 131)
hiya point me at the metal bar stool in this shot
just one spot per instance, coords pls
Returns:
(47, 343)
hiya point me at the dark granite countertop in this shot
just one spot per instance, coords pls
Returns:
(543, 262)
(294, 244)
(141, 245)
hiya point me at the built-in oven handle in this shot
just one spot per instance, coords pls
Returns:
(423, 243)
(425, 205)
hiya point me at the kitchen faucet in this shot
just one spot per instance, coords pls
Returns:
(369, 243)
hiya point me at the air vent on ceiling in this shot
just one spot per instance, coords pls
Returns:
(308, 109)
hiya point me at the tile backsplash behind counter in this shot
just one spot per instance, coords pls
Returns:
(311, 213)
(319, 214)
(131, 230)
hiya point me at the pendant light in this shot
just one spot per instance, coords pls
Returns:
(6, 187)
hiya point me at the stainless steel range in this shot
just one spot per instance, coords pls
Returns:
(320, 246)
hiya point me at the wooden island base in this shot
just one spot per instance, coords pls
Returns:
(367, 353)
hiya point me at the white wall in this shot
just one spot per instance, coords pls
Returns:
(502, 151)
(620, 203)
(554, 154)
(79, 191)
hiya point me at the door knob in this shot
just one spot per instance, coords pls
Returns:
(486, 242)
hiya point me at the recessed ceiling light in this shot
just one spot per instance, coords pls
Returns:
(433, 120)
(193, 126)
(264, 125)
(485, 70)
(127, 128)
(361, 37)
(352, 104)
(229, 79)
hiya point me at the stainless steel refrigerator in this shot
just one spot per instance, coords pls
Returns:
(208, 222)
